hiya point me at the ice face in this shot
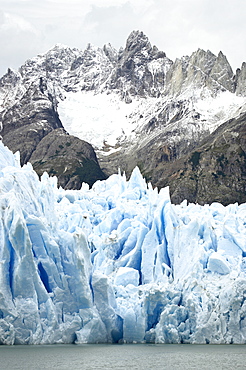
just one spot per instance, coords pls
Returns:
(116, 263)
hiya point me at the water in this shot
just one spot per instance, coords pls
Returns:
(127, 356)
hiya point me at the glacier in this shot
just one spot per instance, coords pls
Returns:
(117, 263)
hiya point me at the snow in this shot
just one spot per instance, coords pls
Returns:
(126, 276)
(105, 120)
(218, 263)
(220, 109)
(96, 118)
(116, 263)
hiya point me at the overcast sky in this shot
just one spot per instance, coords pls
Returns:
(178, 27)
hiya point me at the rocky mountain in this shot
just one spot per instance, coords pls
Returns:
(182, 122)
(31, 125)
(217, 166)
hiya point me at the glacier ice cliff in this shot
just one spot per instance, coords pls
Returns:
(116, 263)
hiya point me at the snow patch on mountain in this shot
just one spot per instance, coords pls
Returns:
(106, 120)
(217, 110)
(101, 119)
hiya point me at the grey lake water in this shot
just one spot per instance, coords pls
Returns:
(126, 356)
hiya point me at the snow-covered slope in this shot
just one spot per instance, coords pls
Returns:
(101, 119)
(117, 263)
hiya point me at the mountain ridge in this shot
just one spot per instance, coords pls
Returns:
(167, 107)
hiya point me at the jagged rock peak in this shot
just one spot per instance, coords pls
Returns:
(202, 69)
(50, 65)
(137, 71)
(222, 72)
(207, 62)
(203, 59)
(222, 57)
(137, 41)
(240, 79)
(11, 88)
(58, 50)
(59, 46)
(110, 52)
(11, 76)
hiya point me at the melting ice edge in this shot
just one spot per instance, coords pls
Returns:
(116, 263)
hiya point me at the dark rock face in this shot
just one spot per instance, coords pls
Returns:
(72, 160)
(214, 171)
(27, 121)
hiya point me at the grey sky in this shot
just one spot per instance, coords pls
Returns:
(178, 27)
